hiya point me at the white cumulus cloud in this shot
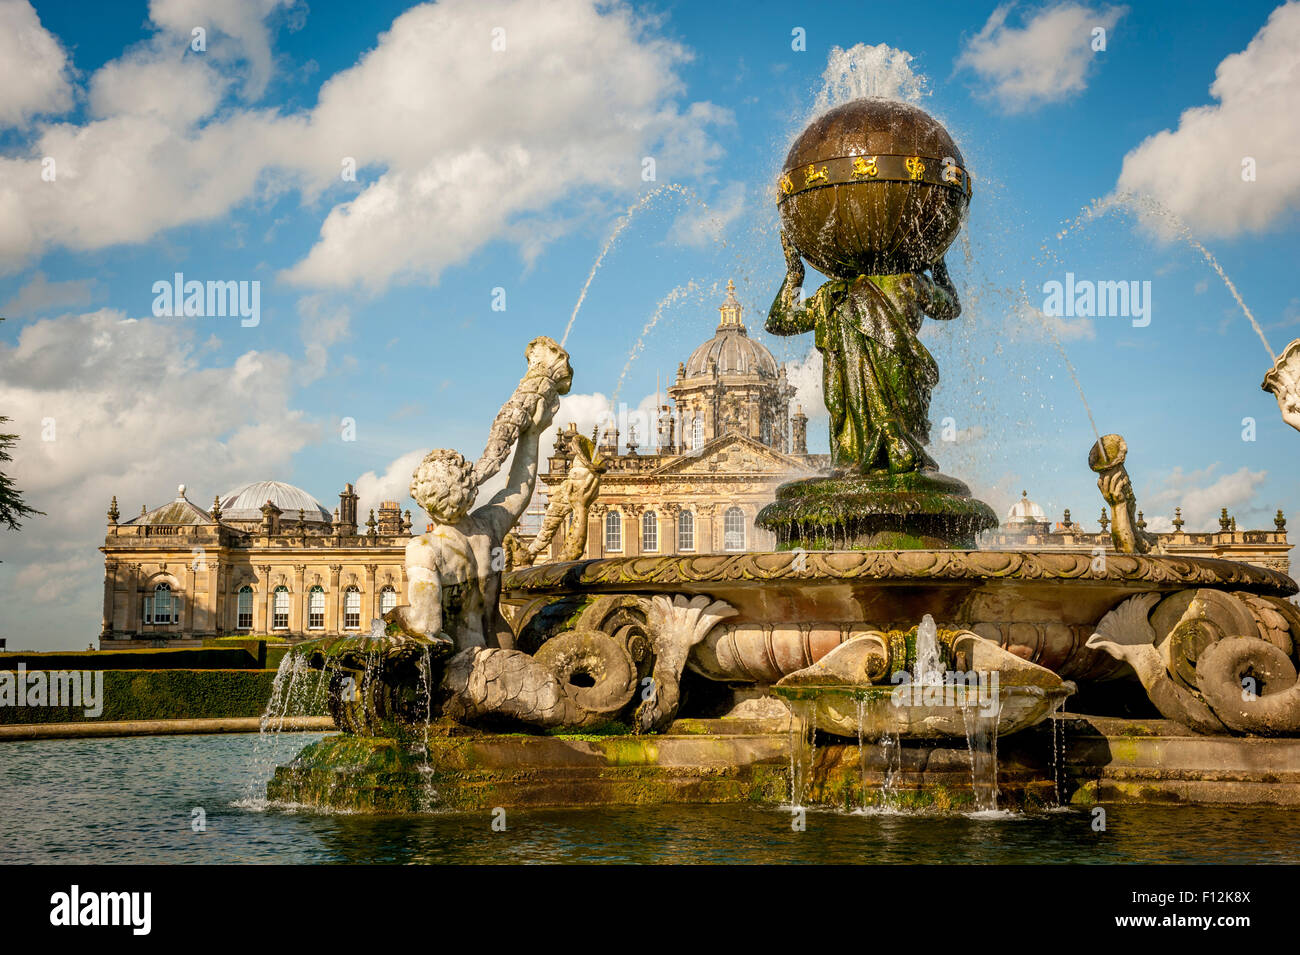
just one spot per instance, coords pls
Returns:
(35, 75)
(1199, 170)
(1044, 61)
(455, 144)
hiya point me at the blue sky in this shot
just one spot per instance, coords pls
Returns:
(480, 169)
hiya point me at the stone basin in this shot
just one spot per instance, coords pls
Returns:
(795, 607)
(873, 712)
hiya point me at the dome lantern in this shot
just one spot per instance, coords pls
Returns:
(730, 310)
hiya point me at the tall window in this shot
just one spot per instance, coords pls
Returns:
(649, 532)
(387, 599)
(697, 433)
(733, 529)
(162, 606)
(244, 609)
(614, 531)
(352, 609)
(162, 603)
(686, 531)
(280, 608)
(316, 608)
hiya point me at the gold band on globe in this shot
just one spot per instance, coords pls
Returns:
(880, 168)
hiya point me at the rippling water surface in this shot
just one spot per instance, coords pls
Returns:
(132, 800)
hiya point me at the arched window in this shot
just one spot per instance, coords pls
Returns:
(686, 531)
(280, 609)
(387, 599)
(162, 604)
(733, 529)
(697, 433)
(162, 607)
(352, 608)
(316, 608)
(244, 609)
(614, 531)
(649, 532)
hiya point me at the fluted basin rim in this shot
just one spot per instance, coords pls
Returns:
(893, 566)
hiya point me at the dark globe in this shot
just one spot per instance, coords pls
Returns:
(873, 187)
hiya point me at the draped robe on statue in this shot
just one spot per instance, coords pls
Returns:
(877, 375)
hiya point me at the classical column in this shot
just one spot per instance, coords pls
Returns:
(596, 531)
(215, 591)
(332, 601)
(298, 606)
(369, 599)
(110, 585)
(187, 624)
(704, 530)
(668, 529)
(264, 605)
(632, 529)
(133, 598)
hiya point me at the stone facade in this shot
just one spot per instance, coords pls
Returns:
(179, 573)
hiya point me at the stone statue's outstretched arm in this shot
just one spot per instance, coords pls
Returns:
(788, 314)
(508, 505)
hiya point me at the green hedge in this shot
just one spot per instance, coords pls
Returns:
(181, 658)
(166, 695)
(268, 650)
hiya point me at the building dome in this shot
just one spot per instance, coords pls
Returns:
(731, 348)
(245, 503)
(1025, 511)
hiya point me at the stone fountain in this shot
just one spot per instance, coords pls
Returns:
(877, 618)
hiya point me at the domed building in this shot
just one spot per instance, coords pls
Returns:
(1026, 517)
(731, 383)
(244, 504)
(713, 460)
(266, 559)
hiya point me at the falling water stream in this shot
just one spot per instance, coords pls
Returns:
(1139, 205)
(803, 749)
(669, 300)
(296, 690)
(622, 223)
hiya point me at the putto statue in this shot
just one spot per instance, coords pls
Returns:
(1107, 459)
(454, 570)
(449, 652)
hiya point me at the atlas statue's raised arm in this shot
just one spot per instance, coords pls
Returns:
(789, 315)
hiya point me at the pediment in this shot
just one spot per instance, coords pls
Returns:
(734, 454)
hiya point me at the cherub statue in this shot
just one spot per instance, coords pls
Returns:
(454, 570)
(1283, 381)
